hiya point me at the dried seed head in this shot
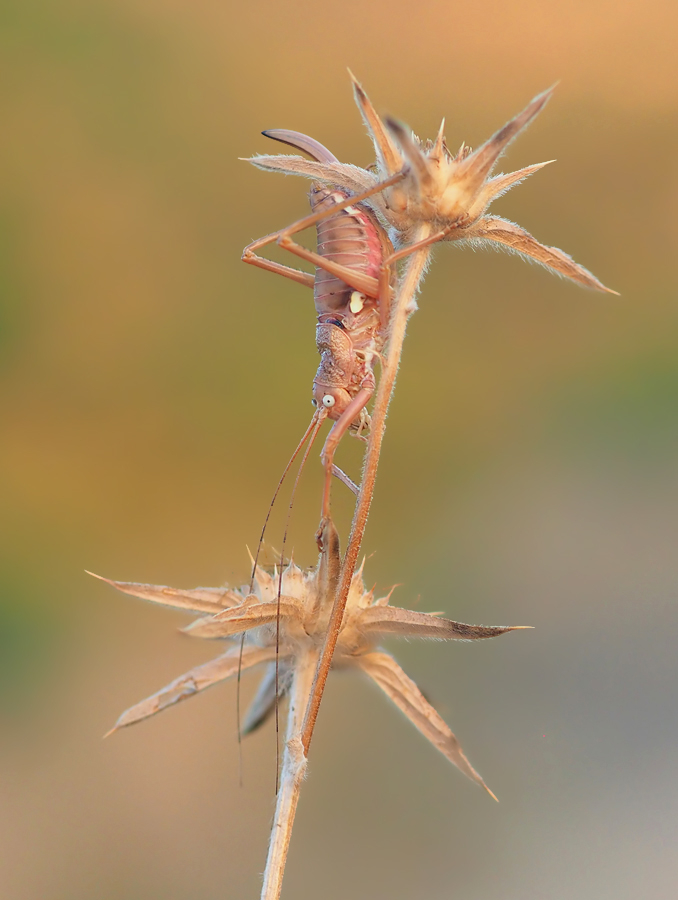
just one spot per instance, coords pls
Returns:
(449, 192)
(301, 613)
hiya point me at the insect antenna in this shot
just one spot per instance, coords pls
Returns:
(313, 430)
(316, 421)
(301, 443)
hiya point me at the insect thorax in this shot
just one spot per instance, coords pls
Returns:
(337, 359)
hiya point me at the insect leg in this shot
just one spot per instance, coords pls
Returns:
(357, 280)
(372, 287)
(344, 478)
(426, 242)
(339, 429)
(369, 287)
(250, 257)
(312, 218)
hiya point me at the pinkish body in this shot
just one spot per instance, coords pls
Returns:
(352, 292)
(349, 336)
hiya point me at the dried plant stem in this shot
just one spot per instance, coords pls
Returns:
(404, 306)
(291, 777)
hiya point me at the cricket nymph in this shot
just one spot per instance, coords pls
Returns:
(302, 611)
(352, 291)
(349, 336)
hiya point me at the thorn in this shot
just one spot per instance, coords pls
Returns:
(439, 144)
(94, 575)
(386, 148)
(406, 138)
(115, 584)
(494, 797)
(479, 164)
(109, 733)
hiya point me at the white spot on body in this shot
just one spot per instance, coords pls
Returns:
(356, 302)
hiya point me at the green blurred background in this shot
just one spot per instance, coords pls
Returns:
(153, 387)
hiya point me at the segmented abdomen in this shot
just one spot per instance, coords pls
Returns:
(349, 238)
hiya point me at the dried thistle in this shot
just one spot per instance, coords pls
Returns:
(449, 193)
(438, 197)
(303, 624)
(301, 613)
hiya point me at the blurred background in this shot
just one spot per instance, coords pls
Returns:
(152, 388)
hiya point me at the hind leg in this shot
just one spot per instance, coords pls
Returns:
(357, 280)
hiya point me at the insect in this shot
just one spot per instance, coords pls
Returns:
(441, 197)
(352, 290)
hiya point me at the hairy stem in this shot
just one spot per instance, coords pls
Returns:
(403, 307)
(291, 777)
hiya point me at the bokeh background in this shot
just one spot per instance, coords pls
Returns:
(153, 387)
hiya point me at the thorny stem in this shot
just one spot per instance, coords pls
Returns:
(404, 306)
(291, 777)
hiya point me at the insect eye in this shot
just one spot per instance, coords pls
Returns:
(314, 401)
(328, 401)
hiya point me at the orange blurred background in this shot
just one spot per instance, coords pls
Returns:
(153, 387)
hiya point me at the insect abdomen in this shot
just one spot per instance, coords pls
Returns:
(348, 238)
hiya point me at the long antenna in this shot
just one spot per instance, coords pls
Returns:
(317, 419)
